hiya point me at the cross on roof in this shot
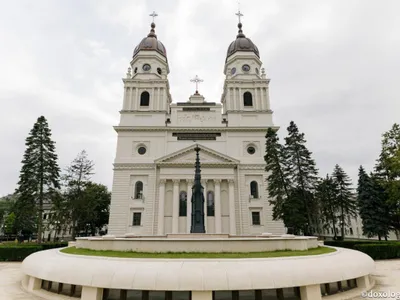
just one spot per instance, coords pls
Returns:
(196, 79)
(153, 14)
(239, 14)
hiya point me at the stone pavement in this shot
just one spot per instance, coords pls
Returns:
(387, 276)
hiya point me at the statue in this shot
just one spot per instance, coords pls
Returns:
(197, 199)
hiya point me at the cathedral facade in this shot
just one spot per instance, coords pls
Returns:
(154, 164)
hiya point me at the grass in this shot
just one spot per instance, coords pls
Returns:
(130, 254)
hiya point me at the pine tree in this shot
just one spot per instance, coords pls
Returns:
(302, 174)
(346, 201)
(327, 197)
(39, 176)
(77, 177)
(277, 179)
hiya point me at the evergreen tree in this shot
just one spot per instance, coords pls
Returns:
(302, 174)
(346, 201)
(77, 177)
(327, 197)
(373, 207)
(277, 179)
(39, 176)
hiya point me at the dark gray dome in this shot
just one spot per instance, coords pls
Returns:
(151, 43)
(242, 43)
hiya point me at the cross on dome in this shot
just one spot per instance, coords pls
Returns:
(197, 80)
(153, 14)
(239, 14)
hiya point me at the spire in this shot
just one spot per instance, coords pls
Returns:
(239, 14)
(153, 25)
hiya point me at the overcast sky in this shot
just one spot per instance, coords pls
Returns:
(333, 66)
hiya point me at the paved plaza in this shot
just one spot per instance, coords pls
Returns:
(387, 276)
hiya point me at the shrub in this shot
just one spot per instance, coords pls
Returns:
(18, 252)
(380, 251)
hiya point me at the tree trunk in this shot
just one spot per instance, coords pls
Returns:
(379, 237)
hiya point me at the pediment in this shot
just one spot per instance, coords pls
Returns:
(187, 156)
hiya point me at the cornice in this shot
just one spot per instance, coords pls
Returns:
(130, 166)
(125, 111)
(251, 167)
(192, 129)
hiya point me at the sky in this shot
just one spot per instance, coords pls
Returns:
(333, 67)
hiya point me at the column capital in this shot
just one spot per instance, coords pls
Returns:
(189, 181)
(231, 181)
(163, 181)
(176, 181)
(217, 181)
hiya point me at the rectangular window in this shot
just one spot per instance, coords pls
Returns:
(351, 231)
(137, 218)
(255, 216)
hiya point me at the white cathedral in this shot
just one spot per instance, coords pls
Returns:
(154, 164)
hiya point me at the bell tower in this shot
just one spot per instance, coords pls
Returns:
(146, 86)
(246, 86)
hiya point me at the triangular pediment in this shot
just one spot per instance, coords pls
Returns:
(187, 156)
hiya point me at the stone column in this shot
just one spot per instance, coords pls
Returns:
(310, 292)
(161, 207)
(217, 203)
(175, 207)
(363, 282)
(204, 184)
(34, 283)
(232, 217)
(202, 295)
(189, 205)
(91, 293)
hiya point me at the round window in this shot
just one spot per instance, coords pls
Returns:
(257, 71)
(159, 71)
(142, 150)
(233, 71)
(135, 70)
(246, 68)
(146, 67)
(251, 150)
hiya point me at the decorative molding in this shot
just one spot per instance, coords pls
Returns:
(226, 160)
(130, 166)
(191, 129)
(252, 167)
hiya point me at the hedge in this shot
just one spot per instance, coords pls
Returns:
(18, 252)
(353, 244)
(380, 251)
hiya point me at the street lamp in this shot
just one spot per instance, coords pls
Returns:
(56, 231)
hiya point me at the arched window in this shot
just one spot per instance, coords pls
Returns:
(182, 204)
(145, 99)
(254, 189)
(210, 204)
(247, 99)
(138, 190)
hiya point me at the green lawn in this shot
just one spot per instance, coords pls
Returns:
(126, 254)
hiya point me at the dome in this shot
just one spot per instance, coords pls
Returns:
(242, 43)
(151, 43)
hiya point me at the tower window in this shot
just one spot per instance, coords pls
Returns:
(248, 99)
(254, 189)
(182, 204)
(145, 99)
(138, 190)
(210, 204)
(159, 71)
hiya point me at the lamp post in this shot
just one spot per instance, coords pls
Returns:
(57, 223)
(342, 230)
(197, 199)
(87, 228)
